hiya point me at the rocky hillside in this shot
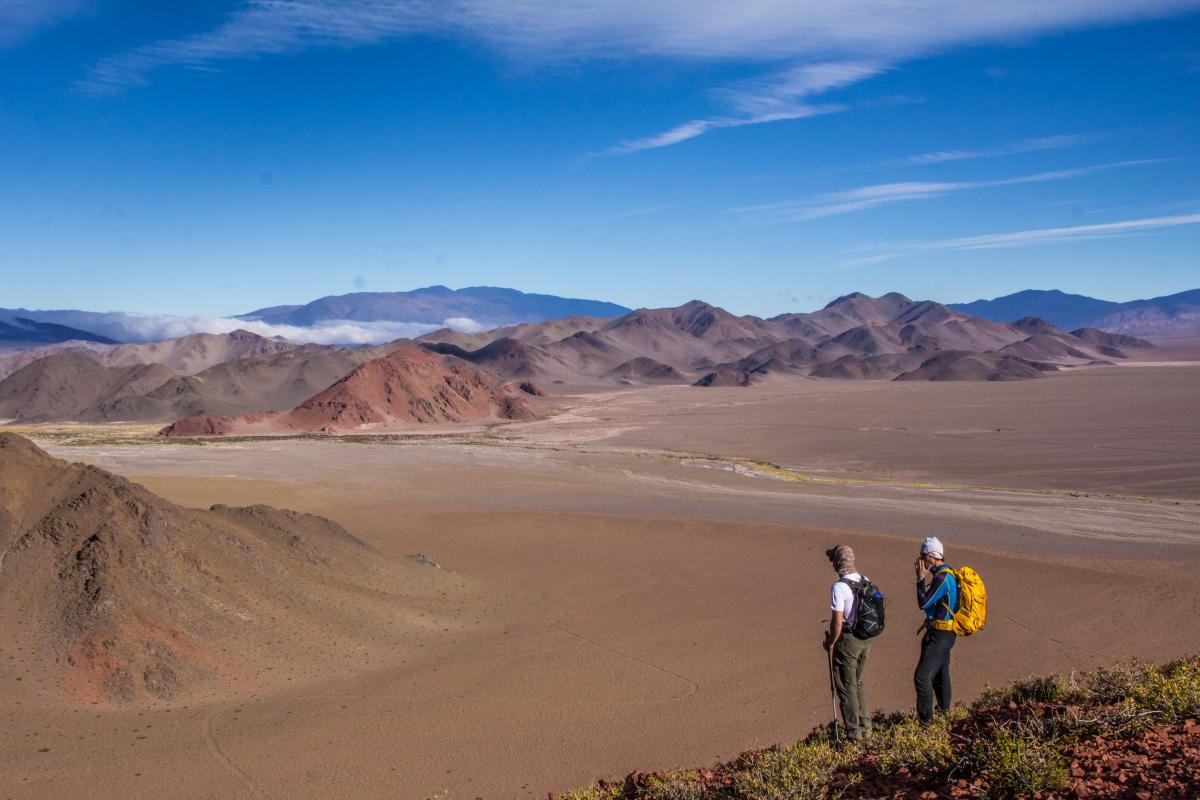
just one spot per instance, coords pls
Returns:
(186, 355)
(410, 385)
(1125, 733)
(159, 382)
(120, 596)
(73, 386)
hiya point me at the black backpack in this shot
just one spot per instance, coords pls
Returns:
(868, 608)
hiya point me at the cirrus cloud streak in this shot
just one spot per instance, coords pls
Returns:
(1035, 145)
(865, 197)
(1027, 238)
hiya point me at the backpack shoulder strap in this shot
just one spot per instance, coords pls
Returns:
(958, 590)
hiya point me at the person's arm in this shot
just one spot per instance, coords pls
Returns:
(922, 576)
(928, 596)
(835, 630)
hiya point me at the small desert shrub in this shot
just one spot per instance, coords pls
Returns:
(1114, 685)
(593, 792)
(1124, 700)
(1050, 689)
(803, 771)
(1018, 761)
(906, 742)
(1173, 690)
(681, 786)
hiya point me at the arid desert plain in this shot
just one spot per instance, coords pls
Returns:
(635, 581)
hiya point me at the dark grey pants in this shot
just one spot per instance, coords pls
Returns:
(933, 672)
(849, 659)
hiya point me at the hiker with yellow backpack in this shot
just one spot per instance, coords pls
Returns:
(955, 604)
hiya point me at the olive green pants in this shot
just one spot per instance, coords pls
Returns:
(849, 660)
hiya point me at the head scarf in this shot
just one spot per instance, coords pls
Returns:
(932, 547)
(842, 558)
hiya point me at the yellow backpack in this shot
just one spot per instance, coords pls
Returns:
(972, 602)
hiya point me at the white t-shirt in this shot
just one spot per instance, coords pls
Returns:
(843, 597)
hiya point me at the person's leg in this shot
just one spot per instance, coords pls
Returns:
(923, 678)
(864, 709)
(845, 680)
(941, 679)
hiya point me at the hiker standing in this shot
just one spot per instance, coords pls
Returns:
(937, 596)
(849, 650)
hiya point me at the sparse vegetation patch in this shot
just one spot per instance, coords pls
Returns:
(1129, 731)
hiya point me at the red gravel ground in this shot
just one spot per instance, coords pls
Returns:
(1162, 763)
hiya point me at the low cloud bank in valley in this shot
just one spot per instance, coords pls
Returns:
(156, 327)
(464, 324)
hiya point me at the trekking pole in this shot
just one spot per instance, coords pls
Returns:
(837, 732)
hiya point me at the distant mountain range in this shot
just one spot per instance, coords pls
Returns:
(1176, 315)
(361, 318)
(243, 382)
(854, 337)
(376, 317)
(18, 331)
(485, 306)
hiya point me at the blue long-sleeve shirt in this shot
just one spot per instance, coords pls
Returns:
(939, 600)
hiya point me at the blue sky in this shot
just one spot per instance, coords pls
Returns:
(205, 157)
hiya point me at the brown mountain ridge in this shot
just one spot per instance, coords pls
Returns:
(73, 385)
(853, 337)
(410, 385)
(124, 597)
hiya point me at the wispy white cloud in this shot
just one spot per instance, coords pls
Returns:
(263, 28)
(779, 92)
(766, 31)
(22, 19)
(993, 241)
(807, 38)
(1057, 142)
(780, 31)
(698, 127)
(864, 197)
(774, 98)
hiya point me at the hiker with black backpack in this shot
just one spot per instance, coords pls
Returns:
(857, 607)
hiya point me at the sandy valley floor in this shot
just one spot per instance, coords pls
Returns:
(647, 581)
